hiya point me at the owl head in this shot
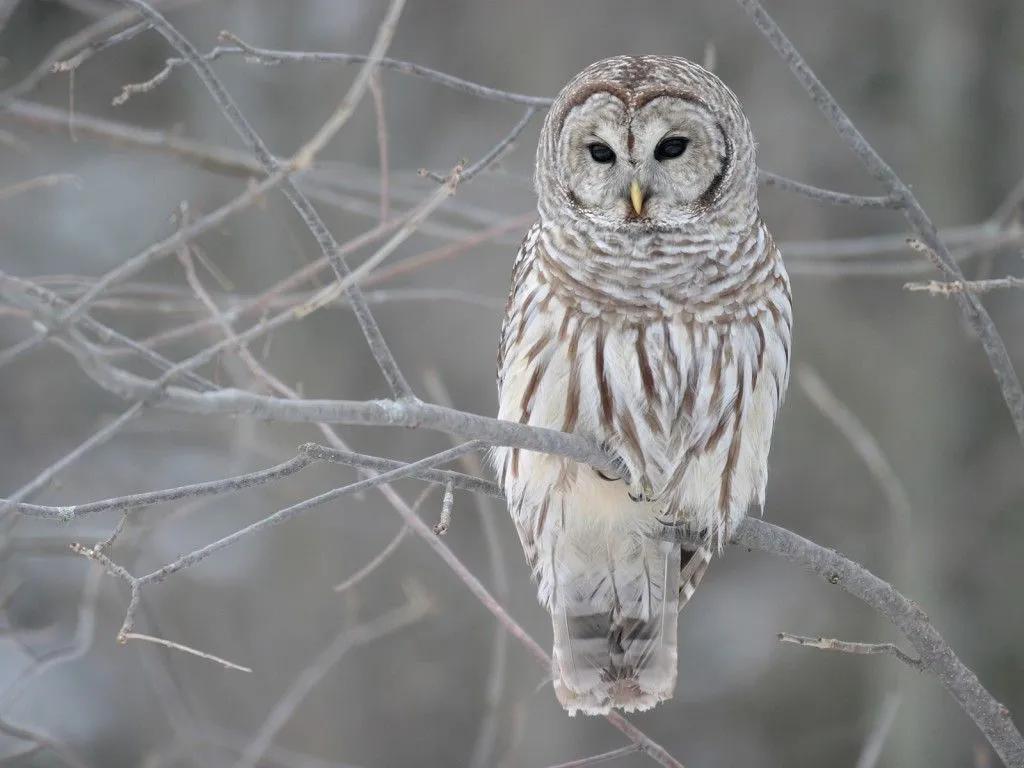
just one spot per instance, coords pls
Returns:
(647, 142)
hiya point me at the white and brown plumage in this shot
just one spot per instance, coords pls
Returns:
(649, 311)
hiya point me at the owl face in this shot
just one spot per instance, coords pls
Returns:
(647, 142)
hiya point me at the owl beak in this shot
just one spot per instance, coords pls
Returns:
(636, 196)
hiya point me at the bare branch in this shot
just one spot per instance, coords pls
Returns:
(269, 57)
(604, 757)
(827, 195)
(374, 563)
(498, 151)
(975, 314)
(283, 515)
(170, 244)
(383, 158)
(85, 39)
(389, 549)
(444, 522)
(971, 286)
(985, 235)
(139, 501)
(124, 637)
(385, 33)
(41, 182)
(44, 478)
(830, 644)
(936, 656)
(54, 303)
(381, 352)
(73, 63)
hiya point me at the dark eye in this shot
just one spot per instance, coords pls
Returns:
(601, 153)
(671, 147)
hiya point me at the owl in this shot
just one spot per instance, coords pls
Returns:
(650, 312)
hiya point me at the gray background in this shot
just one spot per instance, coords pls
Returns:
(935, 85)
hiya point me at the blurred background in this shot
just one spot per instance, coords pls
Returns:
(935, 85)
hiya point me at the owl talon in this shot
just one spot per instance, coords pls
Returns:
(643, 491)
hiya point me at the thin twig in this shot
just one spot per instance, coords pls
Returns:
(498, 151)
(375, 339)
(831, 644)
(441, 477)
(44, 478)
(604, 757)
(58, 306)
(827, 195)
(78, 42)
(268, 56)
(170, 244)
(444, 522)
(375, 562)
(124, 637)
(283, 515)
(971, 286)
(383, 158)
(139, 501)
(41, 182)
(389, 549)
(385, 33)
(73, 63)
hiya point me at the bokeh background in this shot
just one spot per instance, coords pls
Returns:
(935, 85)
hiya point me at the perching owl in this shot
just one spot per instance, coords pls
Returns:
(650, 312)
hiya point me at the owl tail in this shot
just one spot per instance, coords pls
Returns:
(615, 627)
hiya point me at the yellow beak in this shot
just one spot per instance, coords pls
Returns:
(636, 196)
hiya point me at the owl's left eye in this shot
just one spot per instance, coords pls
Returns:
(601, 153)
(671, 147)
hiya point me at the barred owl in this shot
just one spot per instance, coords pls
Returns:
(650, 312)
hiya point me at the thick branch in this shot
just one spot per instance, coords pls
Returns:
(936, 656)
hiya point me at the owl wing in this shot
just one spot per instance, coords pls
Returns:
(512, 329)
(514, 318)
(735, 381)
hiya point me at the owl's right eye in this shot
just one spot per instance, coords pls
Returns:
(601, 153)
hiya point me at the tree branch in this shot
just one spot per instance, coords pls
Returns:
(991, 717)
(975, 314)
(375, 339)
(845, 646)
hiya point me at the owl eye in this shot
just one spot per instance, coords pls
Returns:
(601, 153)
(671, 147)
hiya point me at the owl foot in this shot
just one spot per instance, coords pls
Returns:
(639, 490)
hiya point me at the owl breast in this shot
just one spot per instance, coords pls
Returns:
(687, 405)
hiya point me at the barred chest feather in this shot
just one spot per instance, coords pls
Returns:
(684, 392)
